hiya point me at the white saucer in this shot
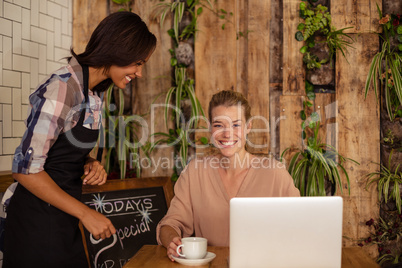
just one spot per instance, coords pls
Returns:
(194, 262)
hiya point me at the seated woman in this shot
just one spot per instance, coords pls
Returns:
(203, 191)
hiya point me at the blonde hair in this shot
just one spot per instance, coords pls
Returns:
(229, 98)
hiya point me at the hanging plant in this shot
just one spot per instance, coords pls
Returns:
(122, 141)
(318, 164)
(386, 66)
(317, 21)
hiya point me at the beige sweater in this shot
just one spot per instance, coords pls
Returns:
(201, 203)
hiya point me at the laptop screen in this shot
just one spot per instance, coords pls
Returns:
(286, 232)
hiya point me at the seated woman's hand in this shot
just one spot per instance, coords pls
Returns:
(94, 172)
(171, 249)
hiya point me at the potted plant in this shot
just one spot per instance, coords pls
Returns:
(322, 42)
(186, 107)
(121, 139)
(179, 137)
(389, 183)
(386, 66)
(386, 234)
(316, 169)
(391, 146)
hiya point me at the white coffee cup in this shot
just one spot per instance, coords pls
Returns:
(193, 247)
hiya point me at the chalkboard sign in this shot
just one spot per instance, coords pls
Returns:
(135, 206)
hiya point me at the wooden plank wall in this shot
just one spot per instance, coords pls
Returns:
(223, 62)
(362, 16)
(86, 16)
(359, 135)
(293, 71)
(358, 119)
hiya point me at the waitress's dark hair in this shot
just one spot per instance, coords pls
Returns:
(120, 39)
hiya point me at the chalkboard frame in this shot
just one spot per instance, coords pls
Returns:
(127, 184)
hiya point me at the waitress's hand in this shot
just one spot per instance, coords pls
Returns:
(97, 224)
(171, 249)
(94, 173)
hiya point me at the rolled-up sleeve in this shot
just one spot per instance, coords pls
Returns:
(50, 106)
(180, 214)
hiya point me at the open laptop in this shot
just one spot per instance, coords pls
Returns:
(291, 232)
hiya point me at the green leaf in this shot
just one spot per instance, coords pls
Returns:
(299, 36)
(171, 33)
(204, 140)
(308, 86)
(167, 103)
(301, 26)
(303, 115)
(399, 29)
(302, 14)
(223, 26)
(121, 101)
(311, 124)
(173, 62)
(304, 135)
(223, 11)
(174, 176)
(199, 11)
(303, 49)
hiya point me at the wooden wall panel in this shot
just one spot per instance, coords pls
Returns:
(359, 135)
(362, 15)
(256, 89)
(156, 81)
(293, 70)
(276, 42)
(86, 16)
(290, 123)
(326, 106)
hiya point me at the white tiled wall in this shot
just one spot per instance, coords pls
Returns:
(34, 36)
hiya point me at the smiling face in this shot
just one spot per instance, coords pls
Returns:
(121, 76)
(229, 130)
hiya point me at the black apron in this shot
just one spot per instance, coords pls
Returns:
(38, 234)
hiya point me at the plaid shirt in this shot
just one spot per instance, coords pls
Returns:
(55, 108)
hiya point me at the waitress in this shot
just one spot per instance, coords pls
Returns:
(62, 128)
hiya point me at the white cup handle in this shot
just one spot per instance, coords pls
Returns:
(178, 252)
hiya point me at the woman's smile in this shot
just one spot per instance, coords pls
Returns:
(128, 78)
(225, 143)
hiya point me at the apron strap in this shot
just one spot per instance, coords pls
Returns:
(85, 73)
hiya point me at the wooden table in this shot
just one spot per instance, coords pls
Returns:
(155, 257)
